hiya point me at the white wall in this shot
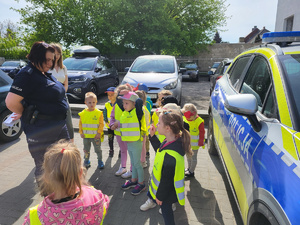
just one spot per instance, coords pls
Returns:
(285, 9)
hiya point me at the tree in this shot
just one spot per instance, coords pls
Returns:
(161, 26)
(217, 37)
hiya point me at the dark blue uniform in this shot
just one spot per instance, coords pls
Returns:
(48, 97)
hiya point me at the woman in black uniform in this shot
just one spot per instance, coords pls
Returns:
(39, 100)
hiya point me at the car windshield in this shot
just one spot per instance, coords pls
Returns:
(81, 64)
(215, 65)
(11, 63)
(188, 65)
(291, 66)
(150, 65)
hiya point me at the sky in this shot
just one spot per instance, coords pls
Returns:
(244, 15)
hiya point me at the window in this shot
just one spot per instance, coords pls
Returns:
(257, 80)
(289, 23)
(101, 64)
(237, 70)
(270, 109)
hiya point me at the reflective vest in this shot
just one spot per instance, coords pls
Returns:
(194, 131)
(147, 118)
(178, 177)
(118, 114)
(34, 218)
(90, 123)
(109, 108)
(130, 126)
(155, 121)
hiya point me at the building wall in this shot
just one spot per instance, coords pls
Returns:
(286, 9)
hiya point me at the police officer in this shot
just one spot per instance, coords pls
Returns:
(40, 101)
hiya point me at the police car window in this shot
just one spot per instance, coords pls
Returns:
(257, 80)
(270, 108)
(237, 70)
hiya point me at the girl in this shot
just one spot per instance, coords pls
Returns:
(70, 200)
(133, 128)
(196, 128)
(167, 179)
(60, 72)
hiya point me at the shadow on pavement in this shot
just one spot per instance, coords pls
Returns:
(14, 202)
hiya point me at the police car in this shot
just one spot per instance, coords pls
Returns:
(254, 126)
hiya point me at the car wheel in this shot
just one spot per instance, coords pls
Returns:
(196, 79)
(9, 133)
(117, 82)
(210, 137)
(93, 89)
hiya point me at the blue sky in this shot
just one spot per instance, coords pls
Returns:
(244, 15)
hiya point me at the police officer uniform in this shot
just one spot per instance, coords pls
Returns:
(46, 123)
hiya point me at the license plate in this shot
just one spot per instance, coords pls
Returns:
(152, 95)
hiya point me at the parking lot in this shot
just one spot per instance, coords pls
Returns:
(208, 196)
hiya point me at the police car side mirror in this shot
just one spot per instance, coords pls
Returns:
(245, 105)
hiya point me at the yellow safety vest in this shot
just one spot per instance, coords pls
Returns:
(109, 108)
(194, 131)
(130, 126)
(34, 218)
(178, 177)
(118, 114)
(90, 123)
(155, 121)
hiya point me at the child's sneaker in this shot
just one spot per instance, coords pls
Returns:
(138, 189)
(129, 184)
(144, 164)
(120, 171)
(87, 164)
(127, 174)
(111, 153)
(173, 208)
(100, 165)
(188, 173)
(149, 204)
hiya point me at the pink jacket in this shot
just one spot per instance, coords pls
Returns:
(87, 209)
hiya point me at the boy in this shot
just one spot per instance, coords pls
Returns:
(91, 129)
(107, 112)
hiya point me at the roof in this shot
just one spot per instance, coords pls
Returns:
(255, 34)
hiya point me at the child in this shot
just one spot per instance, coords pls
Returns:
(133, 128)
(161, 94)
(69, 200)
(91, 129)
(167, 180)
(115, 118)
(107, 112)
(142, 95)
(196, 128)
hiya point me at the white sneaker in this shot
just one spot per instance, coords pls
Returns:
(173, 208)
(120, 171)
(144, 164)
(149, 204)
(127, 174)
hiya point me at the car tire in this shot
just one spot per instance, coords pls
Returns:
(93, 88)
(9, 133)
(211, 138)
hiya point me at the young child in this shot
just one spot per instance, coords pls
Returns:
(91, 129)
(142, 95)
(196, 128)
(167, 180)
(133, 128)
(107, 112)
(115, 118)
(70, 200)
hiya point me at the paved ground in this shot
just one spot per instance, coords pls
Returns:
(209, 200)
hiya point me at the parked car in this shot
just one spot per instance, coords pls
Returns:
(191, 70)
(223, 66)
(254, 127)
(89, 71)
(7, 133)
(158, 72)
(12, 67)
(213, 68)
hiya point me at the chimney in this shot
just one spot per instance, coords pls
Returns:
(254, 28)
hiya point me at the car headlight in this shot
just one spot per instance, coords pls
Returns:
(172, 85)
(79, 79)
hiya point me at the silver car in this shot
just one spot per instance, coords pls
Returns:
(158, 72)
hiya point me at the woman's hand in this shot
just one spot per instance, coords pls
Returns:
(16, 116)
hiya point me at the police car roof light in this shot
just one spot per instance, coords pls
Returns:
(280, 37)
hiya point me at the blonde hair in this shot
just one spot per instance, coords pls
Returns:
(122, 87)
(62, 170)
(189, 107)
(58, 48)
(142, 95)
(174, 120)
(90, 95)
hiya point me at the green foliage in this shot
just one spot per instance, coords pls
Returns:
(161, 26)
(10, 48)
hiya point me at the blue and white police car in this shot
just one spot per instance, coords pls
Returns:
(254, 126)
